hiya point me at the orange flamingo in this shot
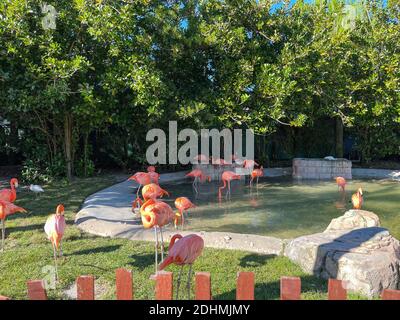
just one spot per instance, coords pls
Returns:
(255, 174)
(182, 204)
(150, 191)
(227, 177)
(183, 252)
(249, 164)
(341, 182)
(6, 209)
(10, 195)
(198, 175)
(357, 199)
(142, 178)
(154, 176)
(156, 214)
(54, 227)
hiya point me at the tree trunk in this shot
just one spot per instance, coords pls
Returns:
(339, 138)
(68, 144)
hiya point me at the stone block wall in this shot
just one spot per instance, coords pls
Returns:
(304, 168)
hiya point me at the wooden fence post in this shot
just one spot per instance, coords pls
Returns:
(336, 291)
(203, 286)
(123, 283)
(290, 288)
(390, 294)
(245, 286)
(85, 288)
(36, 290)
(164, 285)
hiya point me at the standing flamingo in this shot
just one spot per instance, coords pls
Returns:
(341, 182)
(10, 195)
(198, 175)
(6, 209)
(154, 176)
(142, 178)
(249, 164)
(181, 253)
(54, 228)
(255, 174)
(227, 176)
(357, 199)
(150, 191)
(182, 204)
(156, 214)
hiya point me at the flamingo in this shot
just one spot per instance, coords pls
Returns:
(198, 174)
(357, 199)
(255, 174)
(227, 176)
(142, 178)
(154, 176)
(249, 164)
(341, 182)
(54, 228)
(6, 209)
(150, 191)
(184, 252)
(156, 214)
(201, 158)
(182, 204)
(10, 195)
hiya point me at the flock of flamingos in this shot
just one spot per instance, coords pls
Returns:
(154, 213)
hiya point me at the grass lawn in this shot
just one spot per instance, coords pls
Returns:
(28, 251)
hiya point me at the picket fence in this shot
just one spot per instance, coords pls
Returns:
(290, 287)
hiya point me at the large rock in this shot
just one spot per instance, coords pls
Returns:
(367, 259)
(354, 219)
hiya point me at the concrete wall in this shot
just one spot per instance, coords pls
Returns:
(321, 169)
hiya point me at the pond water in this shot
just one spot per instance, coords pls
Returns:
(285, 208)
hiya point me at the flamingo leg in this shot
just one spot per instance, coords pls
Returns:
(182, 218)
(229, 189)
(194, 184)
(178, 284)
(61, 252)
(3, 234)
(251, 182)
(137, 192)
(257, 182)
(55, 259)
(156, 248)
(188, 281)
(162, 244)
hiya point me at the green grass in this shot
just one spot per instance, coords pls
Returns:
(28, 251)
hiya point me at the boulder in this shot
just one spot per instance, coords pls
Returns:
(354, 219)
(367, 259)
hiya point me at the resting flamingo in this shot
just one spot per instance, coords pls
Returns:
(183, 252)
(255, 174)
(341, 182)
(154, 176)
(150, 191)
(182, 204)
(198, 175)
(142, 178)
(7, 208)
(227, 177)
(10, 195)
(54, 228)
(156, 214)
(357, 199)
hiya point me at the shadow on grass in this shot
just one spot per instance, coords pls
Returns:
(142, 261)
(255, 260)
(105, 249)
(29, 227)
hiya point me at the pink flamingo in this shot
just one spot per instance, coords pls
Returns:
(154, 176)
(54, 228)
(182, 204)
(227, 177)
(183, 252)
(150, 191)
(201, 158)
(142, 178)
(10, 195)
(6, 209)
(249, 164)
(255, 174)
(156, 214)
(198, 175)
(341, 182)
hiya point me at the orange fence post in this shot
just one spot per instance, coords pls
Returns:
(290, 288)
(245, 286)
(85, 288)
(164, 285)
(390, 294)
(36, 290)
(203, 286)
(4, 298)
(124, 286)
(336, 291)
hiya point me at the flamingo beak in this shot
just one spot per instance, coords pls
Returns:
(360, 191)
(16, 185)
